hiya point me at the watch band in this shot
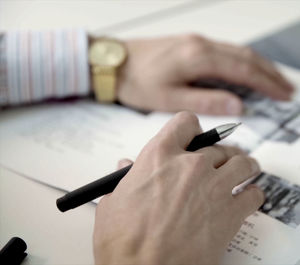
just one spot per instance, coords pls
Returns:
(104, 83)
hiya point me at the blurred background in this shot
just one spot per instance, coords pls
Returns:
(240, 22)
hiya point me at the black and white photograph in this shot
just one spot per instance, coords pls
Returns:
(282, 199)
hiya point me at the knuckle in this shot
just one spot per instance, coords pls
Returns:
(201, 158)
(198, 159)
(191, 37)
(248, 53)
(236, 150)
(197, 163)
(230, 150)
(188, 116)
(244, 162)
(217, 103)
(157, 148)
(223, 148)
(193, 46)
(162, 147)
(247, 69)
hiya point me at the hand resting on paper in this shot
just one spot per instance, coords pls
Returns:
(173, 206)
(158, 74)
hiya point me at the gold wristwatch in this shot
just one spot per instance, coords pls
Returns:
(105, 57)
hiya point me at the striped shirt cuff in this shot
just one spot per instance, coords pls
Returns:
(38, 65)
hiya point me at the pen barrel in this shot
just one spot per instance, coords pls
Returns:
(13, 252)
(203, 140)
(91, 191)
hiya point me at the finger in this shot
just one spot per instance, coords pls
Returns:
(252, 73)
(236, 170)
(180, 130)
(250, 56)
(204, 101)
(219, 154)
(249, 200)
(124, 163)
(220, 65)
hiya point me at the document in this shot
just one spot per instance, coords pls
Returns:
(67, 145)
(272, 234)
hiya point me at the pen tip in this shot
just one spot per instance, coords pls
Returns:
(236, 125)
(227, 129)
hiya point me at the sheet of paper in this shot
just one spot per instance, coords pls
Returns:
(263, 240)
(272, 235)
(66, 145)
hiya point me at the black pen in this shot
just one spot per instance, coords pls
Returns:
(108, 183)
(13, 252)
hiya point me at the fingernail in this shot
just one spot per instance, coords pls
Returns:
(124, 163)
(234, 107)
(255, 167)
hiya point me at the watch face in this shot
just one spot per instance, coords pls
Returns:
(107, 53)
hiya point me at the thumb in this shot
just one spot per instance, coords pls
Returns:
(124, 163)
(205, 101)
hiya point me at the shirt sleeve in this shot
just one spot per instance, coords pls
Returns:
(36, 65)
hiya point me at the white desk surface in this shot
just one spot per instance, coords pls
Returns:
(27, 208)
(233, 21)
(90, 14)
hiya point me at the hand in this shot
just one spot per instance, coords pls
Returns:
(173, 206)
(158, 73)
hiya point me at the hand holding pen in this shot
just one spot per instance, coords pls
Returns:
(176, 206)
(108, 183)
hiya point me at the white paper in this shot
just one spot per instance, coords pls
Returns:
(263, 240)
(66, 145)
(273, 237)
